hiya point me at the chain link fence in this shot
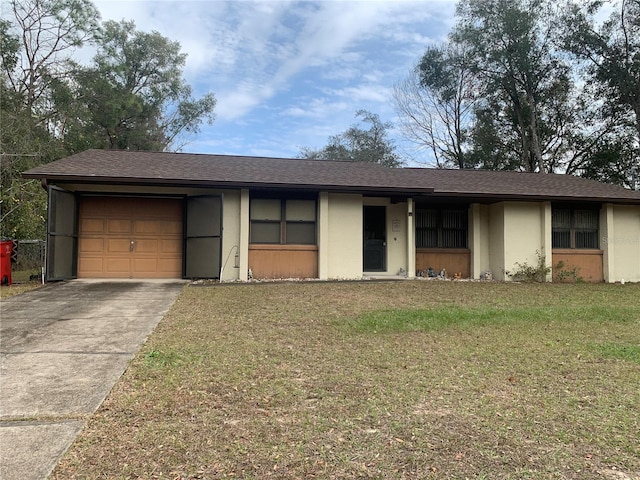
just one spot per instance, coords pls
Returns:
(28, 261)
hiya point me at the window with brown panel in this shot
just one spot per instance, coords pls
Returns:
(575, 228)
(445, 228)
(283, 221)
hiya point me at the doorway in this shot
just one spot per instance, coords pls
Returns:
(374, 239)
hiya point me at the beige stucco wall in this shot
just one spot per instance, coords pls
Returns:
(479, 239)
(523, 233)
(500, 235)
(620, 241)
(516, 231)
(231, 236)
(340, 236)
(496, 236)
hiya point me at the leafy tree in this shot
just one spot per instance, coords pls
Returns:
(359, 145)
(134, 92)
(500, 94)
(435, 104)
(611, 52)
(22, 202)
(35, 49)
(525, 81)
(612, 162)
(132, 96)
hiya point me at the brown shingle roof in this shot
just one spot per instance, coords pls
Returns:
(159, 168)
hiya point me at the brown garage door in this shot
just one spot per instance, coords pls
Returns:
(130, 238)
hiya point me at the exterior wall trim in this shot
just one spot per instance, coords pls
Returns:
(243, 274)
(411, 242)
(323, 236)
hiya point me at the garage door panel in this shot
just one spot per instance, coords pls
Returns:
(94, 207)
(109, 225)
(118, 226)
(171, 228)
(117, 265)
(93, 226)
(145, 265)
(91, 245)
(166, 209)
(173, 246)
(147, 247)
(168, 265)
(119, 207)
(146, 227)
(117, 246)
(91, 265)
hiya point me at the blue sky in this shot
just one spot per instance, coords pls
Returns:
(286, 74)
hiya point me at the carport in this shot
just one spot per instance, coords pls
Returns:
(106, 234)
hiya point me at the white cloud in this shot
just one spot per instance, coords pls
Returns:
(362, 93)
(317, 108)
(270, 63)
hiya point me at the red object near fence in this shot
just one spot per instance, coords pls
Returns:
(6, 247)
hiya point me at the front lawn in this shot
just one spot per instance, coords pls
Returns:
(407, 379)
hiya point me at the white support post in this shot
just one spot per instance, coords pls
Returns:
(243, 274)
(411, 242)
(606, 243)
(323, 236)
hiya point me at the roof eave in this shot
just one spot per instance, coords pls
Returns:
(164, 182)
(361, 189)
(503, 197)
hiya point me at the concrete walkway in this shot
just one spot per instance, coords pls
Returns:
(62, 349)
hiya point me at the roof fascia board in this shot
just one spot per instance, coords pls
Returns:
(430, 193)
(70, 179)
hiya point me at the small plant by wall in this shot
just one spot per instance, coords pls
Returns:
(525, 272)
(567, 274)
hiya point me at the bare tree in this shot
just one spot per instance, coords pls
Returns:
(435, 104)
(48, 31)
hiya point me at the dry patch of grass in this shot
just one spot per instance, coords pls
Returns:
(21, 283)
(378, 380)
(7, 291)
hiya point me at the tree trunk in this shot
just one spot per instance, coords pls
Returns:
(536, 150)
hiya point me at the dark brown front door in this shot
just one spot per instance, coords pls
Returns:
(375, 239)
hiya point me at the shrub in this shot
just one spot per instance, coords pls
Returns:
(524, 272)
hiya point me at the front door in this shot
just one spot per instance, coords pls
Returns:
(375, 239)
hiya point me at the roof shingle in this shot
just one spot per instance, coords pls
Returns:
(161, 168)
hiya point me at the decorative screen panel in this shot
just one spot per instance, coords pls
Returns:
(62, 235)
(203, 237)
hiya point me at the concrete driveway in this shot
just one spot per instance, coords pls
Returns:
(62, 349)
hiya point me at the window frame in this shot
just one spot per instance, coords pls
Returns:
(440, 230)
(284, 223)
(572, 229)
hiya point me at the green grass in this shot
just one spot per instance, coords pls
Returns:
(435, 319)
(630, 353)
(378, 380)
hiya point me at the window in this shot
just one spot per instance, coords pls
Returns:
(279, 221)
(441, 228)
(574, 228)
